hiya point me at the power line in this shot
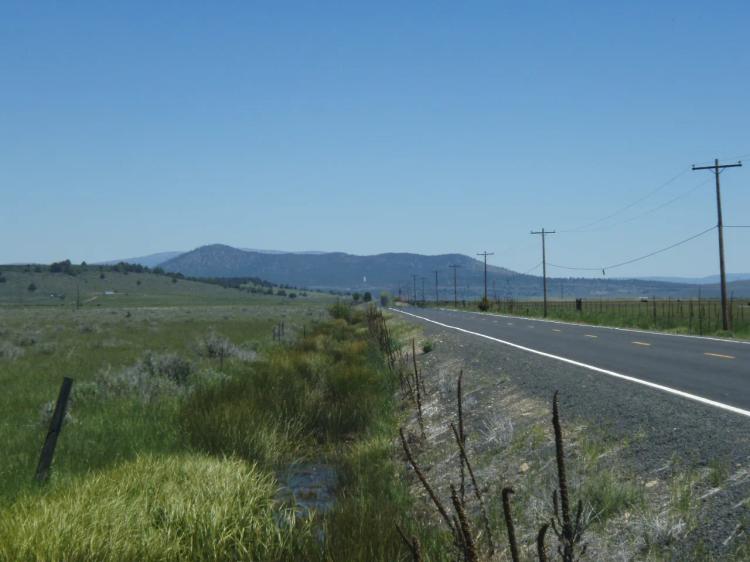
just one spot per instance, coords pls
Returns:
(634, 260)
(648, 211)
(680, 243)
(630, 205)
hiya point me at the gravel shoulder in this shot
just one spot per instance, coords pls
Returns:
(665, 478)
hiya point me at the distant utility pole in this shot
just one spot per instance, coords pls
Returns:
(544, 262)
(436, 288)
(717, 169)
(414, 277)
(423, 289)
(455, 285)
(485, 254)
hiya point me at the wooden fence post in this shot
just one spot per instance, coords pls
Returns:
(55, 426)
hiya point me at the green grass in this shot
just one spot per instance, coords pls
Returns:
(166, 507)
(169, 455)
(119, 289)
(679, 316)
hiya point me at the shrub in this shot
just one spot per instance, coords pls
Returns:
(356, 297)
(9, 351)
(385, 299)
(427, 347)
(218, 347)
(340, 311)
(484, 305)
(31, 288)
(367, 296)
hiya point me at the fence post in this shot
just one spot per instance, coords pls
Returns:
(55, 426)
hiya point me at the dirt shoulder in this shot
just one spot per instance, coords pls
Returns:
(661, 478)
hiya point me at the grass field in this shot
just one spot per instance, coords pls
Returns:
(185, 421)
(698, 317)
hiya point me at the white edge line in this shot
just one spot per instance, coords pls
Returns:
(663, 388)
(636, 330)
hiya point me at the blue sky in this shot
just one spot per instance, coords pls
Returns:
(136, 127)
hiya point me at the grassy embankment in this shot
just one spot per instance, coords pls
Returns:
(679, 316)
(172, 453)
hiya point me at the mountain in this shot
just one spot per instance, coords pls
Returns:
(151, 260)
(707, 280)
(406, 272)
(333, 270)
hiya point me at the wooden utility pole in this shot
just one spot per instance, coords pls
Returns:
(423, 301)
(454, 267)
(414, 277)
(544, 262)
(485, 254)
(717, 169)
(436, 288)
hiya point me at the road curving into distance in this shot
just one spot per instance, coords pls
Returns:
(712, 371)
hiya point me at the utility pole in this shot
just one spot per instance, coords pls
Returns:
(544, 262)
(454, 267)
(485, 254)
(414, 277)
(423, 301)
(436, 288)
(717, 169)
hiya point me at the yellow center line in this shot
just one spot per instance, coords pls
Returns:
(719, 355)
(590, 336)
(642, 343)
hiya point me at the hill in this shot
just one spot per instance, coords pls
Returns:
(95, 286)
(396, 272)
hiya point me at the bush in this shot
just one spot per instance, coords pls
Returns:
(427, 347)
(367, 297)
(31, 288)
(356, 297)
(341, 311)
(385, 299)
(484, 305)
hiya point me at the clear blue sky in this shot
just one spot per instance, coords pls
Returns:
(128, 128)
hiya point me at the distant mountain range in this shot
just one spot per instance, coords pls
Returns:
(404, 271)
(707, 280)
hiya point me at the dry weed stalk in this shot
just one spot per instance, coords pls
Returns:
(426, 484)
(541, 550)
(461, 433)
(467, 539)
(509, 524)
(568, 532)
(477, 492)
(412, 544)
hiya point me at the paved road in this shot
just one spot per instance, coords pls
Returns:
(709, 370)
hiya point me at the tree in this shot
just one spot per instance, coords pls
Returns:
(367, 297)
(385, 299)
(31, 288)
(61, 267)
(356, 297)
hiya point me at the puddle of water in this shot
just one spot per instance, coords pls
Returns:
(309, 487)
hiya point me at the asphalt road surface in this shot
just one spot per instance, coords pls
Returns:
(708, 370)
